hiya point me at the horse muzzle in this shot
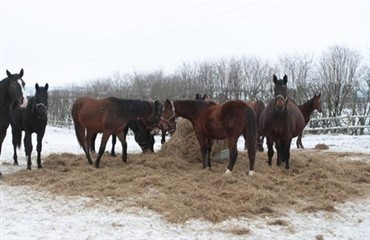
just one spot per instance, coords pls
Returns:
(280, 103)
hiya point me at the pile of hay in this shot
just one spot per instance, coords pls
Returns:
(184, 144)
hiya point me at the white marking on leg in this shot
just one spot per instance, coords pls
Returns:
(228, 172)
(251, 173)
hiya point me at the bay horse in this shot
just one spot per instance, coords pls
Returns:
(111, 116)
(142, 135)
(220, 121)
(32, 119)
(258, 107)
(281, 121)
(307, 109)
(11, 93)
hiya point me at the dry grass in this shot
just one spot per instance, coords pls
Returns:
(173, 183)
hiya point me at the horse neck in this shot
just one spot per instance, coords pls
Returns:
(307, 109)
(187, 109)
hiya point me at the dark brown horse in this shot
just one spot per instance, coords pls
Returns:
(281, 121)
(258, 107)
(111, 116)
(11, 94)
(307, 109)
(220, 121)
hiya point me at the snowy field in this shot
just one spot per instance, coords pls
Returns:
(28, 214)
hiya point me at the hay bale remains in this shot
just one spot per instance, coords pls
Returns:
(184, 144)
(321, 146)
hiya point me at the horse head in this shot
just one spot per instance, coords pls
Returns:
(317, 102)
(152, 121)
(168, 119)
(41, 100)
(280, 93)
(16, 88)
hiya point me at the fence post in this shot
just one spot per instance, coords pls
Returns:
(348, 124)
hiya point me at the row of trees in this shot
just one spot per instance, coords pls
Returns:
(340, 74)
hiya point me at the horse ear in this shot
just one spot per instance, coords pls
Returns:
(168, 101)
(204, 96)
(8, 73)
(46, 86)
(319, 95)
(21, 73)
(37, 86)
(285, 79)
(274, 78)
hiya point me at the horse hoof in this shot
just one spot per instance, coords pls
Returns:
(251, 173)
(15, 164)
(228, 172)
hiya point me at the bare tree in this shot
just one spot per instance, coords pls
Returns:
(338, 72)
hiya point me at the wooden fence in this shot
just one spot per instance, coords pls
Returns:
(357, 125)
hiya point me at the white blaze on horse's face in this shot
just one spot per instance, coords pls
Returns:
(24, 97)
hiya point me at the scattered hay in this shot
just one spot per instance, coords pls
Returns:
(321, 146)
(174, 184)
(181, 190)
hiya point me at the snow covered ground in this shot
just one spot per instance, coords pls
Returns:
(28, 214)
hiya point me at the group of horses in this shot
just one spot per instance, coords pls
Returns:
(28, 114)
(279, 122)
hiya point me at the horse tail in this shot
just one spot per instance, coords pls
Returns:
(251, 133)
(79, 130)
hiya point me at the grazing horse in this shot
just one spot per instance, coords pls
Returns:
(307, 109)
(258, 107)
(142, 136)
(168, 120)
(32, 119)
(111, 116)
(281, 121)
(11, 93)
(220, 121)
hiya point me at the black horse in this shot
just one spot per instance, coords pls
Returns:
(32, 119)
(11, 93)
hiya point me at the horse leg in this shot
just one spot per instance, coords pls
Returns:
(209, 150)
(278, 144)
(92, 146)
(114, 140)
(87, 147)
(39, 148)
(28, 148)
(270, 150)
(299, 141)
(2, 135)
(103, 144)
(163, 139)
(16, 139)
(233, 154)
(151, 142)
(260, 142)
(122, 137)
(286, 152)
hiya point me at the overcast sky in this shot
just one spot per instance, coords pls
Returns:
(61, 42)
